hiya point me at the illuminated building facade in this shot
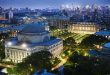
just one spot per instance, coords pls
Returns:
(84, 27)
(32, 38)
(59, 21)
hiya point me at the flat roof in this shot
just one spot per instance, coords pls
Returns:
(107, 45)
(105, 33)
(14, 27)
(2, 29)
(15, 42)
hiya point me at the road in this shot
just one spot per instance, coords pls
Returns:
(63, 61)
(4, 65)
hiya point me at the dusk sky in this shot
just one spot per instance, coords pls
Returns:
(48, 3)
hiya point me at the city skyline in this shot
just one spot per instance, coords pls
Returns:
(49, 3)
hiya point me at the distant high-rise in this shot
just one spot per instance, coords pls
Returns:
(10, 15)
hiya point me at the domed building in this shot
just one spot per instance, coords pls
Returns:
(32, 38)
(34, 33)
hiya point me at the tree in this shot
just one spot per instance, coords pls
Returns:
(53, 28)
(89, 42)
(2, 51)
(56, 61)
(81, 65)
(36, 61)
(70, 42)
(4, 36)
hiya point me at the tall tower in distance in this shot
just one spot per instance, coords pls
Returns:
(10, 14)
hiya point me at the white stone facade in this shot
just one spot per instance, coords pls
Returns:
(17, 53)
(25, 44)
(85, 28)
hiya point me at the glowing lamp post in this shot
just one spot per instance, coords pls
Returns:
(24, 45)
(9, 43)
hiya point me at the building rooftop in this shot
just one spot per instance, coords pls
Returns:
(84, 23)
(2, 29)
(14, 27)
(94, 53)
(43, 72)
(50, 42)
(105, 33)
(107, 45)
(15, 43)
(3, 21)
(48, 14)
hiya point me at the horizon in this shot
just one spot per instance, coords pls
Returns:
(52, 4)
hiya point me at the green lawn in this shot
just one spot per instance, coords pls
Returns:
(64, 35)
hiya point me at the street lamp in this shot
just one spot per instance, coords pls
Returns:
(24, 45)
(9, 43)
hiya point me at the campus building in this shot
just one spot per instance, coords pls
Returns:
(32, 38)
(84, 27)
